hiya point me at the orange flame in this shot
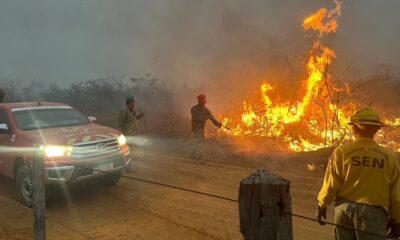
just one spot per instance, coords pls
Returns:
(323, 20)
(275, 119)
(316, 120)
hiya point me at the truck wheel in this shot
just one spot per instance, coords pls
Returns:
(24, 185)
(110, 180)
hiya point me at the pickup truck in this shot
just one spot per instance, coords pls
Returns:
(75, 148)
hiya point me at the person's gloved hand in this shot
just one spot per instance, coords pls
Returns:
(394, 228)
(321, 213)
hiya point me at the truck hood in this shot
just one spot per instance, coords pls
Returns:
(72, 134)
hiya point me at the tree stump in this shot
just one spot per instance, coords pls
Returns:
(265, 207)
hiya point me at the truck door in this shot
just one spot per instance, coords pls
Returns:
(5, 141)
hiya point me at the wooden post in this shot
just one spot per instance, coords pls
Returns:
(264, 207)
(38, 199)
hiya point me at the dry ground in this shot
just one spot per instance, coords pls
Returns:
(137, 210)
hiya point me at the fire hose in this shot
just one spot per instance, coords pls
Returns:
(190, 132)
(226, 127)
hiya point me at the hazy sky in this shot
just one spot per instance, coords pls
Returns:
(72, 40)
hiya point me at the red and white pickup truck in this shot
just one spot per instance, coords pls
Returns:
(74, 146)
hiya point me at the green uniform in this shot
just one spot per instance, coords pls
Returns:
(200, 115)
(128, 122)
(363, 178)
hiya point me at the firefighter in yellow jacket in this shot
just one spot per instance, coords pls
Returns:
(363, 179)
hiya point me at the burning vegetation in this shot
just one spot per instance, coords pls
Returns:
(318, 114)
(307, 115)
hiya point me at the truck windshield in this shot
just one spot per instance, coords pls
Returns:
(48, 118)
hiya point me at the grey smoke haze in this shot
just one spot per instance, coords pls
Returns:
(208, 44)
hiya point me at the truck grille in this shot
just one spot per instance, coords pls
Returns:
(96, 148)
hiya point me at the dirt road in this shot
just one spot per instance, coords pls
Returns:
(137, 210)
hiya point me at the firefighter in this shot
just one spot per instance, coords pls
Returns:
(2, 95)
(200, 115)
(363, 179)
(128, 124)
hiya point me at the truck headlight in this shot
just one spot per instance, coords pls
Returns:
(57, 151)
(121, 140)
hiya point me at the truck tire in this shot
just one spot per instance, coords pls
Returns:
(110, 180)
(24, 185)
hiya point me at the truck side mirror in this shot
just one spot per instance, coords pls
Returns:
(4, 128)
(92, 119)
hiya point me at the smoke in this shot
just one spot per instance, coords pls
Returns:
(226, 48)
(222, 48)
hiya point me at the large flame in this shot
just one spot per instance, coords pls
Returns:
(324, 21)
(317, 119)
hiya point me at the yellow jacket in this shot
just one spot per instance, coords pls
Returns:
(363, 172)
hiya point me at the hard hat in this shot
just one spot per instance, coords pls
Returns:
(202, 98)
(130, 98)
(365, 116)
